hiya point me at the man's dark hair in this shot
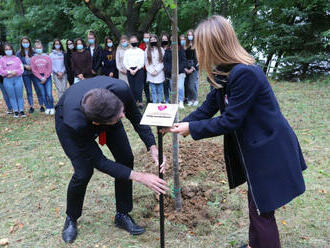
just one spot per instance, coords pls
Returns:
(101, 105)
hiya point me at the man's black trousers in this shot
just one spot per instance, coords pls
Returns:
(120, 148)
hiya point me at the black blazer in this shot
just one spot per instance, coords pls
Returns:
(84, 133)
(97, 58)
(270, 158)
(168, 62)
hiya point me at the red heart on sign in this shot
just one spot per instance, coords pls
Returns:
(162, 107)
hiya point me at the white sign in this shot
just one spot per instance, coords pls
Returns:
(158, 114)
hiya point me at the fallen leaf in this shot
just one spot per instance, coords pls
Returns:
(284, 222)
(57, 210)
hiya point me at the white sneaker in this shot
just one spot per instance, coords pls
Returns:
(52, 111)
(181, 106)
(195, 103)
(190, 103)
(47, 111)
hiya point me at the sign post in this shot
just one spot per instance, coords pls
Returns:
(160, 115)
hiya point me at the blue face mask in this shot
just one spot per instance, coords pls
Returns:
(190, 37)
(57, 46)
(124, 44)
(91, 41)
(109, 44)
(146, 40)
(39, 50)
(182, 42)
(79, 47)
(26, 45)
(9, 52)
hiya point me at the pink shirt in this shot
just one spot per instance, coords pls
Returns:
(41, 64)
(9, 64)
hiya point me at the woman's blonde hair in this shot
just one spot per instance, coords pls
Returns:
(217, 45)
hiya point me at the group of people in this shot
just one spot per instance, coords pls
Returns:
(145, 66)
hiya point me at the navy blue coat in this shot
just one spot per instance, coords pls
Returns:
(270, 158)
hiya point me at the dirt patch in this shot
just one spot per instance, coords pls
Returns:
(201, 159)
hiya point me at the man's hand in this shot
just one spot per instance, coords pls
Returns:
(81, 76)
(154, 155)
(181, 128)
(151, 181)
(94, 73)
(111, 74)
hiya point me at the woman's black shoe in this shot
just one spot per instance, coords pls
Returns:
(70, 230)
(22, 114)
(127, 223)
(42, 109)
(31, 110)
(244, 246)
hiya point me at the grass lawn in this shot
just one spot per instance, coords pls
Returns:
(34, 174)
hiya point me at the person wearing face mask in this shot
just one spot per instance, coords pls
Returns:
(96, 53)
(25, 54)
(41, 66)
(134, 63)
(11, 69)
(81, 62)
(123, 46)
(153, 59)
(109, 59)
(167, 86)
(182, 66)
(191, 80)
(2, 88)
(58, 67)
(143, 45)
(67, 60)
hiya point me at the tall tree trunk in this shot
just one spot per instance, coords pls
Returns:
(279, 57)
(174, 99)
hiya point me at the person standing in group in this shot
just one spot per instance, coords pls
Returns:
(167, 86)
(134, 63)
(81, 61)
(153, 60)
(109, 59)
(25, 54)
(11, 68)
(58, 67)
(67, 60)
(123, 46)
(143, 46)
(41, 66)
(96, 53)
(182, 67)
(260, 147)
(191, 71)
(2, 87)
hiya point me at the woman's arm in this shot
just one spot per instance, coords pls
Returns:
(244, 86)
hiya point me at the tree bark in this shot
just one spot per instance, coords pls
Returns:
(269, 58)
(174, 99)
(151, 14)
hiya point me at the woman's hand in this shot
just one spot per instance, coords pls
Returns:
(151, 181)
(111, 74)
(181, 128)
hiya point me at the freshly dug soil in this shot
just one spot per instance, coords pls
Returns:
(202, 161)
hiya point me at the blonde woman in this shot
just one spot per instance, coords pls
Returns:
(123, 46)
(260, 146)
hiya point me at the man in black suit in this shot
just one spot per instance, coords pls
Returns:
(93, 108)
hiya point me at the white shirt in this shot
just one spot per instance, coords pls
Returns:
(134, 57)
(154, 66)
(92, 50)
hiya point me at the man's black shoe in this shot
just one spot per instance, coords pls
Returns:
(125, 221)
(70, 230)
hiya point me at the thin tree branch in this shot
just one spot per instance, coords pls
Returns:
(167, 12)
(150, 16)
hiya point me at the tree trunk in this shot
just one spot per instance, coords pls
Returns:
(279, 57)
(174, 99)
(269, 58)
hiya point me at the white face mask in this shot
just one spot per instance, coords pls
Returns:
(71, 46)
(190, 37)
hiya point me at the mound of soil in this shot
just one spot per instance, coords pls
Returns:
(201, 159)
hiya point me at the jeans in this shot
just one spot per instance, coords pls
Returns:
(5, 97)
(46, 92)
(28, 80)
(181, 79)
(14, 89)
(156, 92)
(146, 87)
(192, 83)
